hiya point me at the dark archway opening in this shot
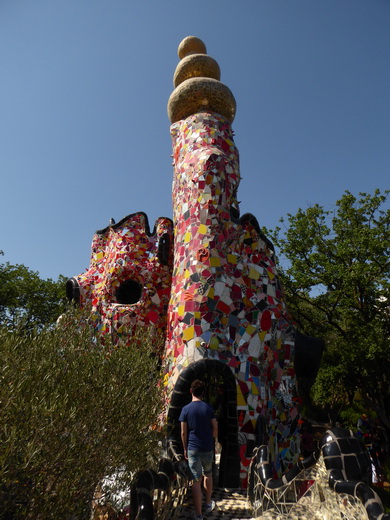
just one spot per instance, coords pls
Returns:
(221, 393)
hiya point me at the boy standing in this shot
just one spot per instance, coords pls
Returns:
(199, 429)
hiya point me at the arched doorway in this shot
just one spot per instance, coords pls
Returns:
(221, 393)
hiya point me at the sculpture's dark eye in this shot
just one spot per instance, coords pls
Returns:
(128, 292)
(73, 291)
(164, 245)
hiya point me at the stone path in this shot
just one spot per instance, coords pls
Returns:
(230, 505)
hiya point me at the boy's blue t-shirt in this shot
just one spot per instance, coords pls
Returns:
(198, 417)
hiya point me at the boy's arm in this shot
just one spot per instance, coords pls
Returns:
(214, 425)
(184, 437)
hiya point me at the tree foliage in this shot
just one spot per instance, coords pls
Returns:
(28, 300)
(336, 281)
(72, 412)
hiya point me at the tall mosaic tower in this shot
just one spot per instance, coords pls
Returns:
(226, 302)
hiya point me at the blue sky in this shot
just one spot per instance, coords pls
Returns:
(84, 134)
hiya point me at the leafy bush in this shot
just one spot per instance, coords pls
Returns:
(73, 411)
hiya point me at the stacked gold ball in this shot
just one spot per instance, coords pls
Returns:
(197, 85)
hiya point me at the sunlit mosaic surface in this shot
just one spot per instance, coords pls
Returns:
(125, 252)
(226, 301)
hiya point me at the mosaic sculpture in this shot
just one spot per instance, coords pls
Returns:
(208, 281)
(226, 306)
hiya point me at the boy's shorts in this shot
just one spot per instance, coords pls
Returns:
(200, 462)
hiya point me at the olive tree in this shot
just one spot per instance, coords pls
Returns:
(72, 412)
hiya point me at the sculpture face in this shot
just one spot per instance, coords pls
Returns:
(129, 278)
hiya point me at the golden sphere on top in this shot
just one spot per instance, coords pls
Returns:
(196, 65)
(191, 45)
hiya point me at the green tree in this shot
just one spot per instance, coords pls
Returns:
(28, 300)
(336, 281)
(72, 412)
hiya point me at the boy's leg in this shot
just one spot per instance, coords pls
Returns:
(208, 486)
(197, 497)
(207, 463)
(196, 470)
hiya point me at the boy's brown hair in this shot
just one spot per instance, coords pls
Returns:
(197, 388)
